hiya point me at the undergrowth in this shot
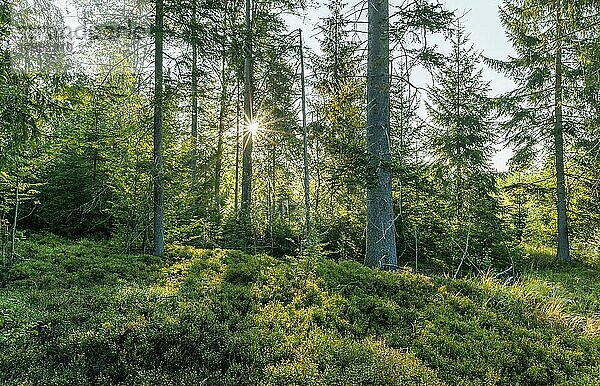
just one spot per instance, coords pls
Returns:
(83, 314)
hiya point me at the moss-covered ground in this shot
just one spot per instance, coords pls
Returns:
(81, 313)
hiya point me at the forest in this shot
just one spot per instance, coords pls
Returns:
(312, 192)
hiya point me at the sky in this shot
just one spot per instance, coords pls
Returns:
(481, 23)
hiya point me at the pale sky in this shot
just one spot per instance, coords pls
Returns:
(481, 22)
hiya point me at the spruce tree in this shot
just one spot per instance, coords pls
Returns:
(381, 230)
(462, 145)
(338, 135)
(158, 164)
(543, 112)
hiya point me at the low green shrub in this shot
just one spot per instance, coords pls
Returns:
(83, 314)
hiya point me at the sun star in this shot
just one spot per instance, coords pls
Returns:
(254, 127)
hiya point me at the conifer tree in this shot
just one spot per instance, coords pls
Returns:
(461, 114)
(462, 144)
(158, 164)
(543, 110)
(338, 134)
(247, 137)
(381, 230)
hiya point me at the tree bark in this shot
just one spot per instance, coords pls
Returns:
(159, 229)
(458, 134)
(305, 144)
(381, 232)
(4, 232)
(194, 133)
(223, 107)
(219, 157)
(13, 237)
(248, 117)
(237, 148)
(563, 250)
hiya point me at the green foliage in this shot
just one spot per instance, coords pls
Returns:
(50, 263)
(528, 207)
(227, 318)
(544, 35)
(462, 146)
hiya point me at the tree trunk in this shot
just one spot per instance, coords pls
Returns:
(237, 148)
(223, 107)
(317, 208)
(219, 157)
(305, 144)
(458, 134)
(381, 232)
(248, 117)
(271, 196)
(194, 133)
(563, 250)
(159, 229)
(13, 237)
(4, 232)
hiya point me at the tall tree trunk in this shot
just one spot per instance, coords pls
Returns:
(381, 232)
(563, 250)
(13, 238)
(237, 148)
(194, 133)
(248, 117)
(223, 107)
(305, 144)
(271, 196)
(159, 228)
(219, 157)
(4, 232)
(318, 182)
(459, 171)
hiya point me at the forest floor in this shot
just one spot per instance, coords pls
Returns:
(81, 313)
